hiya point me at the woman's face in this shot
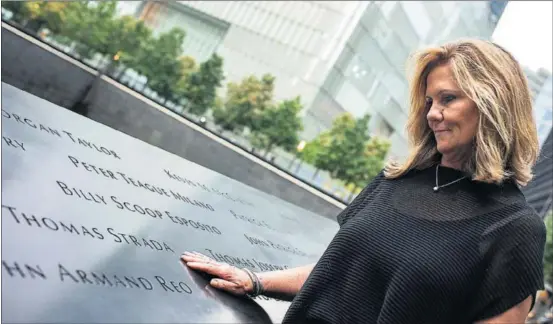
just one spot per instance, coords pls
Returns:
(452, 116)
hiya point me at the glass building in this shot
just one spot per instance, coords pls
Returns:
(339, 56)
(539, 192)
(369, 75)
(540, 83)
(496, 10)
(543, 110)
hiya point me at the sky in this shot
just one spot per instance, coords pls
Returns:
(525, 29)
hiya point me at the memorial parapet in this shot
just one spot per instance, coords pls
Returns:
(94, 221)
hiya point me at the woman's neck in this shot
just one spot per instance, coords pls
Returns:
(453, 163)
(456, 159)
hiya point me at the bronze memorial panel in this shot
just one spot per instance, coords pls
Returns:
(94, 221)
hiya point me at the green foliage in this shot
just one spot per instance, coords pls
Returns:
(38, 14)
(222, 117)
(314, 148)
(94, 27)
(347, 152)
(200, 87)
(159, 61)
(188, 66)
(246, 102)
(46, 13)
(17, 8)
(343, 148)
(279, 126)
(548, 253)
(90, 25)
(376, 150)
(128, 36)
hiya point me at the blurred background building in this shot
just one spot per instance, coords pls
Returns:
(541, 85)
(539, 193)
(338, 56)
(369, 75)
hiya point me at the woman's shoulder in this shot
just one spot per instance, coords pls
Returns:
(518, 222)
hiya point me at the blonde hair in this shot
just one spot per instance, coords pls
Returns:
(506, 143)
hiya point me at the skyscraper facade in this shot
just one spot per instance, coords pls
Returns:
(339, 56)
(368, 76)
(296, 41)
(497, 7)
(543, 110)
(539, 192)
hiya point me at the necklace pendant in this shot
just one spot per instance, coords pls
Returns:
(435, 189)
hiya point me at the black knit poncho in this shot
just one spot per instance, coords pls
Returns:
(405, 254)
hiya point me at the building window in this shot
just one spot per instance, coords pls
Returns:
(387, 7)
(403, 28)
(418, 16)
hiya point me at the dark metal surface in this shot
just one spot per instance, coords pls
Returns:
(93, 223)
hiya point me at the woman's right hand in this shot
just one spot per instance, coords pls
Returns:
(231, 279)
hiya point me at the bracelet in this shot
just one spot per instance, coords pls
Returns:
(260, 288)
(257, 286)
(254, 283)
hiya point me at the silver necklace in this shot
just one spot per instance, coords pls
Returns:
(437, 187)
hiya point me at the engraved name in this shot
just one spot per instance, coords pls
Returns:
(78, 276)
(63, 134)
(205, 188)
(268, 243)
(135, 208)
(83, 231)
(122, 177)
(251, 220)
(241, 262)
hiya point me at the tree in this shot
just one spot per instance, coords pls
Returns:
(279, 126)
(347, 151)
(313, 148)
(159, 61)
(344, 146)
(200, 88)
(93, 25)
(48, 14)
(376, 151)
(246, 102)
(17, 8)
(38, 14)
(127, 38)
(96, 30)
(90, 25)
(188, 65)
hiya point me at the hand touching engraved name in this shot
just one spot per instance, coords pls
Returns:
(231, 279)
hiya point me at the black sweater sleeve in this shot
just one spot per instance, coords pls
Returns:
(360, 201)
(515, 270)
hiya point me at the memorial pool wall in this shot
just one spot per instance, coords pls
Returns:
(37, 68)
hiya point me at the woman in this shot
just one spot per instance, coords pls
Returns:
(446, 236)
